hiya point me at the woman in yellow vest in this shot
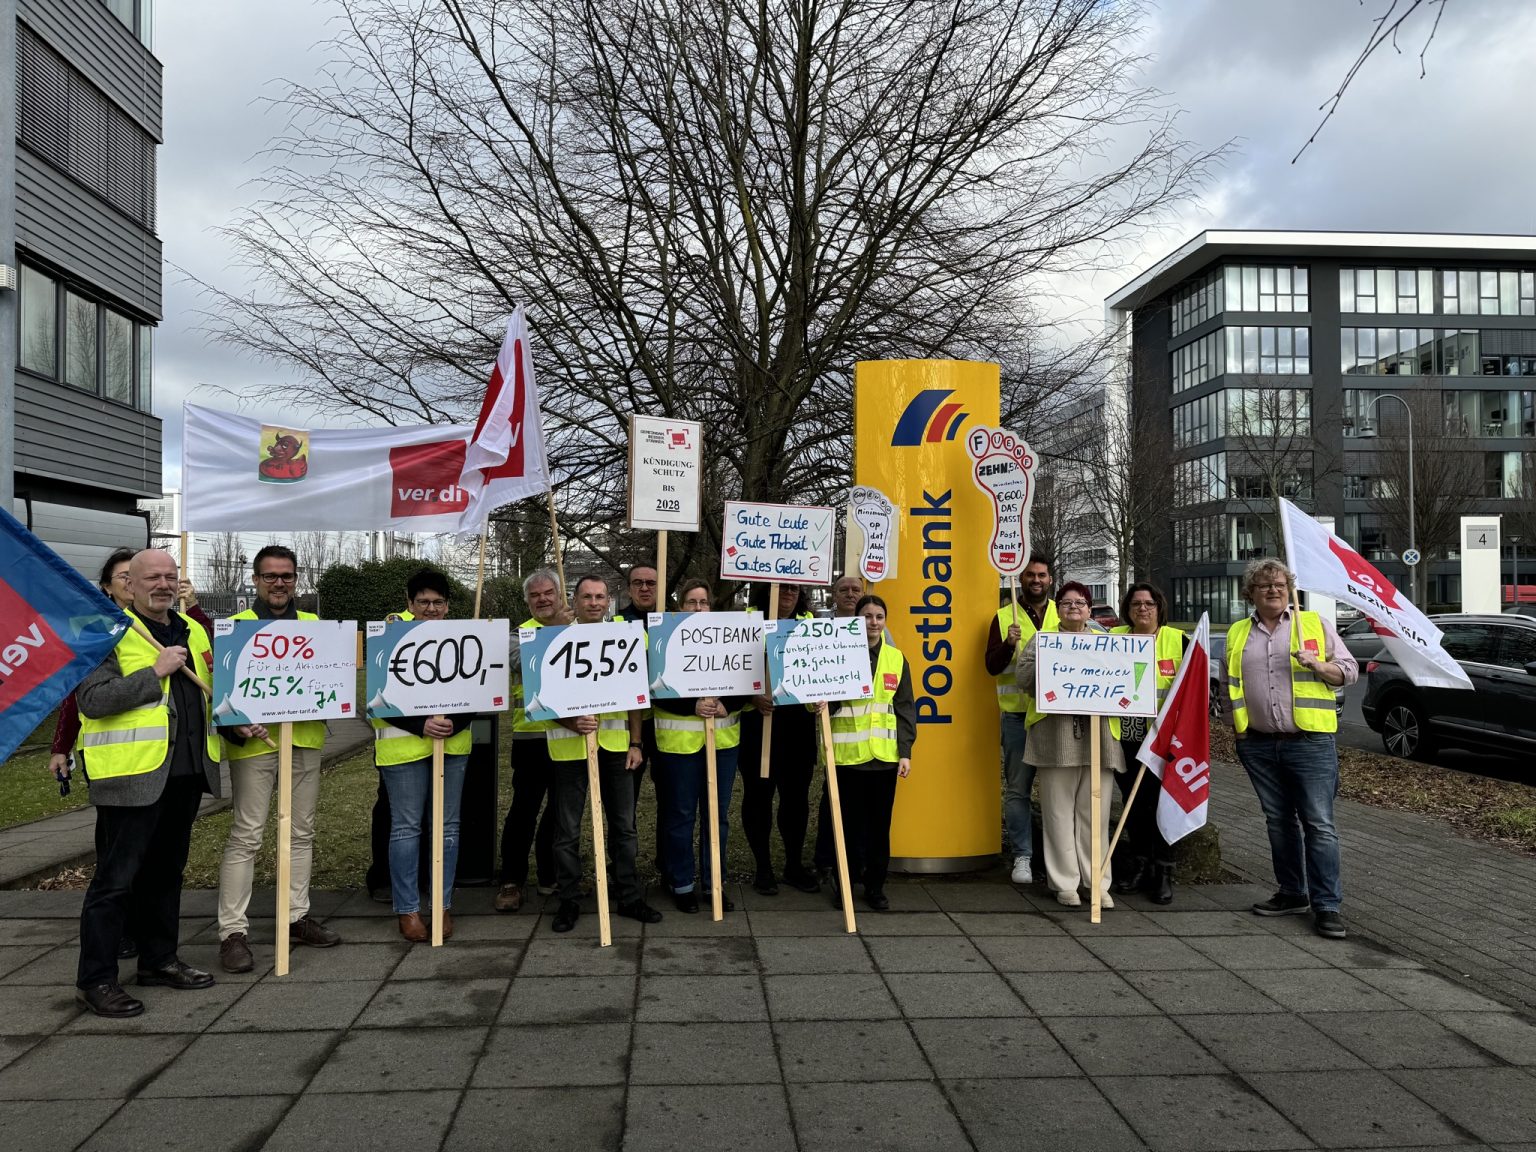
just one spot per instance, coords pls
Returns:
(1059, 748)
(682, 759)
(872, 742)
(1149, 863)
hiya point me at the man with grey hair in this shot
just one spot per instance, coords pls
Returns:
(1282, 666)
(533, 773)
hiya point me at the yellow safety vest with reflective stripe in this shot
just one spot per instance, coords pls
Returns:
(1010, 698)
(1312, 702)
(1034, 715)
(138, 741)
(865, 730)
(520, 721)
(393, 745)
(1169, 652)
(306, 733)
(684, 735)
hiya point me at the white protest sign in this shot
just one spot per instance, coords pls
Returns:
(872, 529)
(1096, 673)
(1002, 468)
(785, 542)
(583, 669)
(695, 654)
(269, 671)
(432, 667)
(811, 660)
(664, 471)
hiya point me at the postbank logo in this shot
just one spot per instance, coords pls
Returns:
(928, 419)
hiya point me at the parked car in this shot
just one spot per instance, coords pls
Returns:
(1104, 616)
(1498, 654)
(1218, 674)
(1361, 639)
(1520, 609)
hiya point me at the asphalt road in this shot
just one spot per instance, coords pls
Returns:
(1353, 733)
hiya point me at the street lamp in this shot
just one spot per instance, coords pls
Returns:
(1366, 432)
(1514, 555)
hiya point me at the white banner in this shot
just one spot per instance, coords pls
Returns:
(1002, 467)
(664, 471)
(241, 474)
(784, 542)
(267, 671)
(505, 461)
(1096, 673)
(695, 654)
(427, 667)
(583, 669)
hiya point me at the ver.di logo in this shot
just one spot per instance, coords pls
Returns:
(928, 419)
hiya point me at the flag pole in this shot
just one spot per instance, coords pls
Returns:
(773, 614)
(480, 570)
(554, 533)
(284, 840)
(181, 574)
(711, 769)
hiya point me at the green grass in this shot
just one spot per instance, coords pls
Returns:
(29, 792)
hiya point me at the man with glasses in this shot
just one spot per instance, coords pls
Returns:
(253, 773)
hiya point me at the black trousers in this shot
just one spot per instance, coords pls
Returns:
(1142, 836)
(867, 796)
(533, 788)
(142, 853)
(378, 843)
(824, 856)
(789, 778)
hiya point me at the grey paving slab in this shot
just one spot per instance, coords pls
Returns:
(400, 1060)
(1494, 1104)
(926, 954)
(1146, 953)
(42, 1126)
(908, 1117)
(1427, 990)
(1079, 994)
(551, 1056)
(1186, 898)
(13, 1047)
(367, 930)
(1011, 1048)
(726, 956)
(1241, 953)
(1058, 1114)
(703, 1053)
(277, 1005)
(231, 1125)
(1130, 1046)
(1199, 1114)
(906, 924)
(786, 900)
(244, 1064)
(206, 957)
(575, 956)
(824, 922)
(1038, 954)
(165, 1010)
(1272, 1042)
(351, 1119)
(53, 964)
(1506, 1035)
(1238, 897)
(1320, 990)
(348, 962)
(1390, 1040)
(706, 998)
(1361, 1109)
(16, 957)
(1212, 990)
(41, 931)
(905, 895)
(493, 929)
(813, 955)
(1195, 923)
(976, 897)
(852, 996)
(433, 1003)
(551, 1119)
(459, 961)
(941, 995)
(88, 1067)
(569, 1000)
(826, 1050)
(39, 1009)
(1113, 922)
(741, 1117)
(1354, 953)
(700, 924)
(1006, 924)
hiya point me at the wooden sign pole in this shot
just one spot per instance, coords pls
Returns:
(181, 574)
(554, 534)
(438, 908)
(1013, 598)
(284, 839)
(835, 804)
(773, 614)
(599, 842)
(1095, 807)
(480, 573)
(716, 894)
(661, 571)
(1125, 813)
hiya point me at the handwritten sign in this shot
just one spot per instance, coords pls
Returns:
(694, 654)
(811, 660)
(1096, 674)
(776, 542)
(872, 519)
(664, 459)
(428, 667)
(1002, 467)
(268, 671)
(583, 669)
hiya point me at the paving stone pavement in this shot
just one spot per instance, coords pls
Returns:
(976, 1016)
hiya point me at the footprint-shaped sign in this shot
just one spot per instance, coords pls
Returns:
(1003, 467)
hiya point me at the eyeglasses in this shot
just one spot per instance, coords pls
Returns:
(1281, 587)
(1071, 603)
(428, 605)
(277, 577)
(1143, 604)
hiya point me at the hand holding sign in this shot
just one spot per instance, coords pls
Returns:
(1003, 467)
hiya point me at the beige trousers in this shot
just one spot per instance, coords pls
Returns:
(253, 782)
(1065, 806)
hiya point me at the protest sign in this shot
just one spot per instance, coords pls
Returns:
(1095, 674)
(1002, 465)
(267, 671)
(664, 471)
(433, 667)
(872, 530)
(777, 542)
(811, 660)
(694, 654)
(583, 669)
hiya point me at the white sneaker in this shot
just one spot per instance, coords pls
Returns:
(1022, 873)
(1106, 900)
(1070, 899)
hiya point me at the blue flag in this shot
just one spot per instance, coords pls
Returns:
(55, 626)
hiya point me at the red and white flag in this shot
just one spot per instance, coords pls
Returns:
(505, 460)
(1178, 749)
(1326, 565)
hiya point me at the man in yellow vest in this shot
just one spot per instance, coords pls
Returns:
(619, 753)
(1281, 669)
(149, 746)
(1008, 631)
(252, 777)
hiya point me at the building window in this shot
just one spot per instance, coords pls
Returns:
(1196, 303)
(137, 16)
(80, 330)
(1197, 362)
(39, 350)
(1389, 290)
(1501, 475)
(1201, 541)
(105, 352)
(1250, 288)
(1199, 421)
(1447, 291)
(1266, 413)
(1387, 351)
(1200, 480)
(1217, 595)
(1269, 351)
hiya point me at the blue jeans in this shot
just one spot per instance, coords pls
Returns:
(1018, 780)
(1296, 780)
(686, 801)
(410, 791)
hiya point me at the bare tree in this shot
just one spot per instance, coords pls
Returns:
(1272, 451)
(226, 562)
(1127, 482)
(317, 552)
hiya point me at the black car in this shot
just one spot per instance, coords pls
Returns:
(1498, 654)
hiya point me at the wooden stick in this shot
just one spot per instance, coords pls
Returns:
(773, 614)
(554, 532)
(599, 842)
(1125, 813)
(1013, 598)
(1095, 807)
(438, 907)
(716, 894)
(835, 803)
(661, 570)
(181, 574)
(188, 672)
(284, 839)
(480, 574)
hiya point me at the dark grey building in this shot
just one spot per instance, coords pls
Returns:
(1275, 356)
(80, 286)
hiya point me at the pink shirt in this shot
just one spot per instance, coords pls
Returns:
(1267, 671)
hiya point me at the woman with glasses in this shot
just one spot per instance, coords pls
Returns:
(1059, 746)
(1150, 857)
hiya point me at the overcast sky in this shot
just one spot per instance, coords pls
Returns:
(1452, 152)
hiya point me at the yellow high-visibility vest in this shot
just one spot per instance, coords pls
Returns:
(865, 730)
(1312, 702)
(1010, 697)
(1169, 654)
(520, 721)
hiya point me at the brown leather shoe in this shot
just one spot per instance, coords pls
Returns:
(306, 930)
(235, 953)
(413, 928)
(447, 923)
(509, 898)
